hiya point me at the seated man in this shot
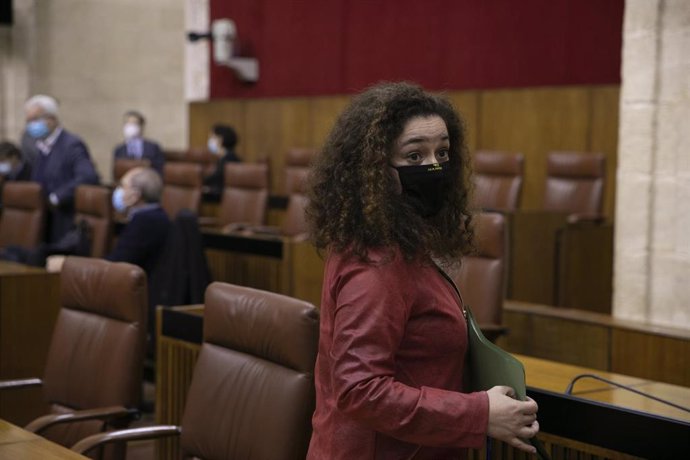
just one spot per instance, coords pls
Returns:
(135, 146)
(144, 237)
(12, 165)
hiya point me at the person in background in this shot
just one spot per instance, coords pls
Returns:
(388, 199)
(144, 236)
(136, 146)
(222, 142)
(12, 164)
(62, 164)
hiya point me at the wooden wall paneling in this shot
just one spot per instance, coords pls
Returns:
(532, 249)
(534, 122)
(557, 339)
(571, 342)
(467, 104)
(203, 115)
(295, 132)
(262, 128)
(604, 137)
(272, 127)
(651, 356)
(518, 339)
(584, 278)
(324, 112)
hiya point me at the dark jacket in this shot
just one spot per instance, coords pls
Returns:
(150, 151)
(143, 239)
(66, 167)
(216, 179)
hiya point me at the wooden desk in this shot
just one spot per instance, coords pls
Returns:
(17, 443)
(29, 304)
(598, 341)
(269, 262)
(555, 377)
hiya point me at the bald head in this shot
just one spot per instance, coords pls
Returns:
(146, 181)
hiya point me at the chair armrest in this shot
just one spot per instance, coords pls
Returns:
(132, 434)
(19, 383)
(101, 413)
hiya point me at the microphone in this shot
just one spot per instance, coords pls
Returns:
(569, 390)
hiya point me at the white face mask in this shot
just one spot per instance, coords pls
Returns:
(5, 168)
(213, 145)
(131, 130)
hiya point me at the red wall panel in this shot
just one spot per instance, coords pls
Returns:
(313, 47)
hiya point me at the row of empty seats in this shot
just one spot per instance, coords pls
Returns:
(252, 392)
(574, 182)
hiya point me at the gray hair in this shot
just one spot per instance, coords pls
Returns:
(148, 182)
(47, 103)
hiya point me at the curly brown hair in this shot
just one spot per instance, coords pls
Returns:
(354, 202)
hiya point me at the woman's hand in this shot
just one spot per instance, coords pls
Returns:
(510, 419)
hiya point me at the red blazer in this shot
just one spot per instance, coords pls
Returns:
(389, 369)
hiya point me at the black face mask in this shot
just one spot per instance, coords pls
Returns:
(425, 186)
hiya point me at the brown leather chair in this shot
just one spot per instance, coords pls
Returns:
(181, 187)
(93, 204)
(297, 162)
(575, 184)
(23, 215)
(497, 180)
(203, 157)
(122, 165)
(252, 392)
(482, 275)
(245, 196)
(94, 365)
(295, 222)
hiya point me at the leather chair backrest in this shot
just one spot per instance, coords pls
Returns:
(245, 196)
(97, 350)
(122, 165)
(295, 222)
(575, 182)
(252, 393)
(181, 187)
(23, 215)
(93, 204)
(497, 180)
(481, 278)
(297, 162)
(206, 159)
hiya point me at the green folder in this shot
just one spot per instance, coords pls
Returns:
(488, 366)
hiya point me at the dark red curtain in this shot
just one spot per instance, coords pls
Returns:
(320, 47)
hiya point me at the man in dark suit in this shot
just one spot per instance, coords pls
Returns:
(135, 146)
(143, 238)
(63, 163)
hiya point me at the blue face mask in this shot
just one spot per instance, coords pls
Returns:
(119, 200)
(38, 129)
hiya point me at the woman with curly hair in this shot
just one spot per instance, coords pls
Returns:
(388, 196)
